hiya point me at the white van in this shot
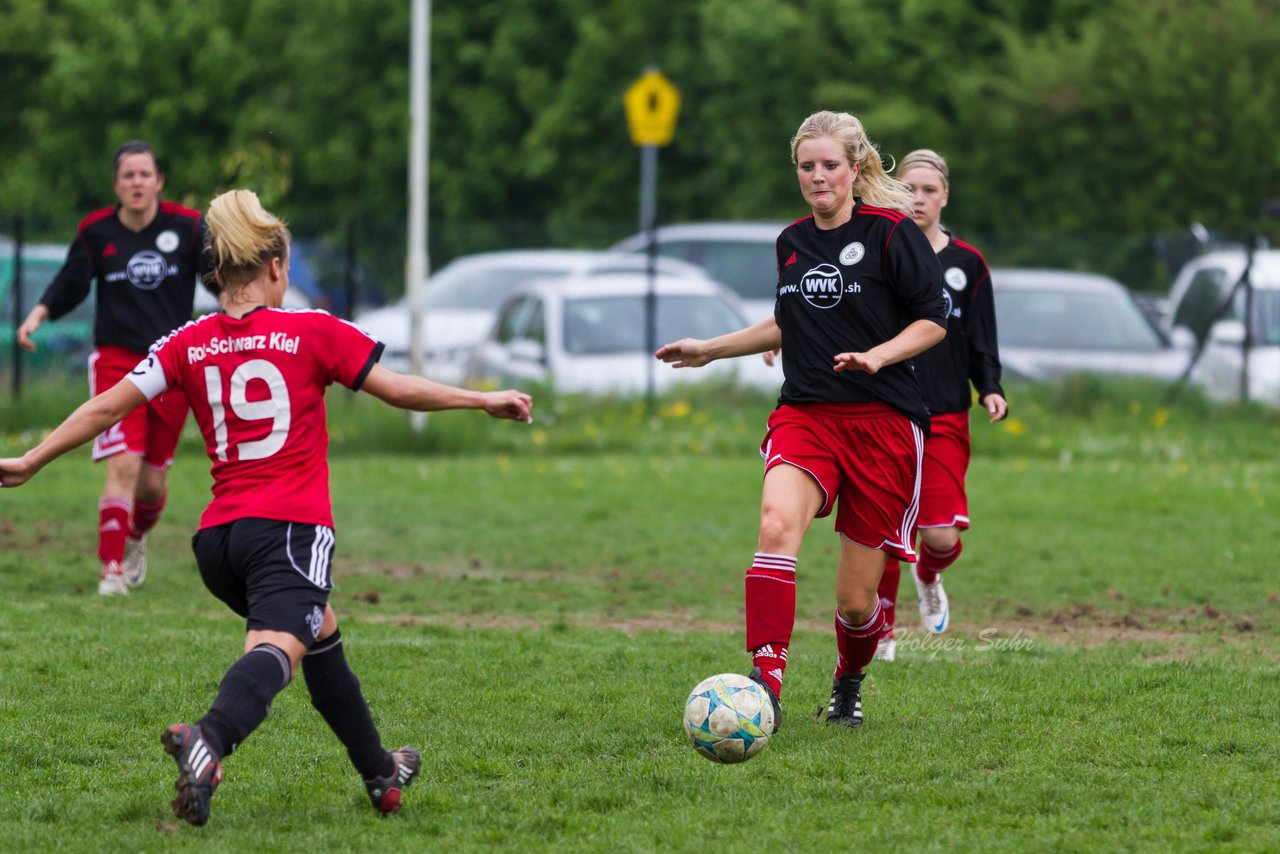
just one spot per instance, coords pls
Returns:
(1198, 307)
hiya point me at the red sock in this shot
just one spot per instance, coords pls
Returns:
(771, 614)
(888, 591)
(113, 524)
(856, 645)
(932, 563)
(145, 516)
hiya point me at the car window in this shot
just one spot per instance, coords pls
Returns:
(749, 268)
(472, 286)
(512, 322)
(601, 325)
(1200, 300)
(536, 328)
(1046, 318)
(1266, 317)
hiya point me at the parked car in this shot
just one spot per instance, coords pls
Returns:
(587, 333)
(741, 255)
(1055, 322)
(1205, 306)
(462, 299)
(70, 336)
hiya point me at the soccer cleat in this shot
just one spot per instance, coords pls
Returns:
(134, 565)
(111, 582)
(888, 648)
(384, 792)
(845, 706)
(199, 772)
(755, 677)
(934, 612)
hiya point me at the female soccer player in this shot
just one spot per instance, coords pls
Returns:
(256, 376)
(145, 255)
(969, 355)
(859, 293)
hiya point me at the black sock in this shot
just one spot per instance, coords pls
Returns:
(335, 693)
(244, 697)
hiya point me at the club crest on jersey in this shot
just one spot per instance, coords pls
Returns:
(147, 270)
(167, 241)
(956, 278)
(822, 286)
(852, 254)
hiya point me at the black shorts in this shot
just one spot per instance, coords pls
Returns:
(274, 574)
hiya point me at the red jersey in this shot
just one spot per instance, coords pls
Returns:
(256, 387)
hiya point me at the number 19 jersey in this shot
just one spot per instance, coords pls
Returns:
(256, 386)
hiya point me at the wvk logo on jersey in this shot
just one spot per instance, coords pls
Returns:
(823, 286)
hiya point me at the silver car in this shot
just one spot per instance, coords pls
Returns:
(588, 334)
(1055, 322)
(742, 255)
(463, 296)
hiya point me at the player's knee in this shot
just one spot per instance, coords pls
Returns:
(856, 607)
(940, 540)
(780, 532)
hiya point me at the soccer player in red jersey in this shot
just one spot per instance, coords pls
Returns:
(859, 293)
(146, 256)
(256, 376)
(970, 354)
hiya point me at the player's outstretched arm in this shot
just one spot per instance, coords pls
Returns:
(696, 352)
(919, 336)
(90, 418)
(424, 395)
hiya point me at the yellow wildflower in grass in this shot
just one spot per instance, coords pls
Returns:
(1135, 407)
(1015, 426)
(591, 429)
(1161, 417)
(538, 437)
(679, 409)
(504, 463)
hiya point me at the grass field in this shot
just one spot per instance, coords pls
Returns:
(531, 606)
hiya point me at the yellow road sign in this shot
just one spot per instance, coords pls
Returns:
(652, 106)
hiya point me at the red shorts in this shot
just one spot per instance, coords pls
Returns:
(865, 454)
(943, 502)
(151, 431)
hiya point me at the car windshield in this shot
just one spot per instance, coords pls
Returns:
(1047, 318)
(601, 325)
(751, 269)
(476, 287)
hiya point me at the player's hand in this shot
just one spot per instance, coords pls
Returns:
(14, 472)
(685, 353)
(771, 356)
(27, 329)
(997, 407)
(864, 362)
(510, 404)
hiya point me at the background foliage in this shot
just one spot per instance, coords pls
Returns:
(1078, 130)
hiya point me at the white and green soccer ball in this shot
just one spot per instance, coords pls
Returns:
(728, 718)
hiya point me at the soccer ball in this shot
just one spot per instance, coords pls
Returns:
(728, 718)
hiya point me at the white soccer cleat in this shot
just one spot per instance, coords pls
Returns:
(887, 649)
(934, 612)
(111, 582)
(134, 565)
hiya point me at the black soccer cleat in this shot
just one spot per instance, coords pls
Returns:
(199, 771)
(384, 792)
(755, 677)
(845, 706)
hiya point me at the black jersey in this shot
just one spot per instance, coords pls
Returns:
(146, 279)
(849, 289)
(969, 352)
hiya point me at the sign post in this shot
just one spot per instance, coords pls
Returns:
(653, 104)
